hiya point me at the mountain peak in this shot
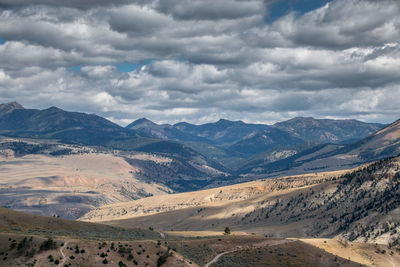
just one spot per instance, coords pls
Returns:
(302, 119)
(54, 108)
(140, 122)
(225, 121)
(9, 107)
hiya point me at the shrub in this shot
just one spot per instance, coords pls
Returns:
(48, 244)
(32, 252)
(161, 260)
(22, 244)
(12, 245)
(227, 231)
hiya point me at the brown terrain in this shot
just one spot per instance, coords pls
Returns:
(216, 197)
(72, 184)
(32, 240)
(128, 216)
(357, 205)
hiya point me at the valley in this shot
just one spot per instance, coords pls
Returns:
(357, 205)
(301, 192)
(199, 133)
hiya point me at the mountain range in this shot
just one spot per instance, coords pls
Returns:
(382, 144)
(212, 154)
(254, 138)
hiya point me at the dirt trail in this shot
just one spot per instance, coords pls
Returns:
(217, 257)
(269, 243)
(162, 235)
(64, 258)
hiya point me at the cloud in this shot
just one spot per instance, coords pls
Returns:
(82, 4)
(202, 60)
(343, 24)
(210, 9)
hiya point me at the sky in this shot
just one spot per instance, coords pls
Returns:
(258, 61)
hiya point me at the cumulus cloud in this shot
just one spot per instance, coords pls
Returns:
(202, 60)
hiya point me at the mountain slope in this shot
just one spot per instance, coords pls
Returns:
(328, 131)
(382, 144)
(30, 240)
(183, 169)
(148, 128)
(222, 132)
(55, 123)
(50, 178)
(250, 139)
(225, 132)
(362, 205)
(9, 107)
(263, 140)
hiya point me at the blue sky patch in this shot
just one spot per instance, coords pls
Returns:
(128, 67)
(280, 8)
(76, 68)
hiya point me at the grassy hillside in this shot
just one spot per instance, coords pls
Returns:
(361, 205)
(30, 240)
(22, 223)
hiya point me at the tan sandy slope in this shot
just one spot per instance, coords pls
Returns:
(70, 185)
(227, 195)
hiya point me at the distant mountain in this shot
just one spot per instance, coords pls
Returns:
(227, 133)
(250, 139)
(148, 128)
(382, 144)
(328, 131)
(56, 123)
(9, 107)
(325, 157)
(263, 140)
(275, 154)
(222, 132)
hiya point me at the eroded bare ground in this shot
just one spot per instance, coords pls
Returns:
(363, 253)
(69, 185)
(361, 205)
(216, 197)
